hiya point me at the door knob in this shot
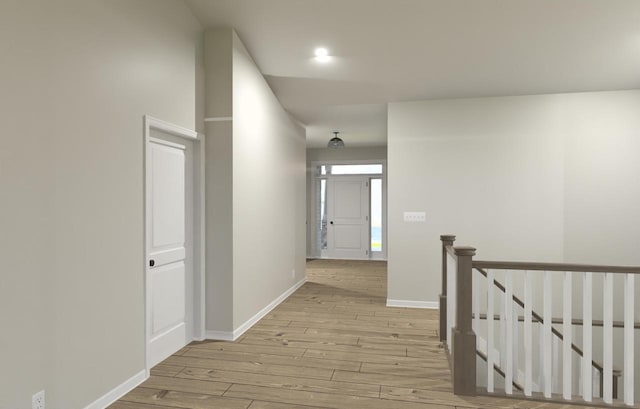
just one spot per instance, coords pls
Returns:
(152, 263)
(331, 222)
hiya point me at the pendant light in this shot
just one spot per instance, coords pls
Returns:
(335, 142)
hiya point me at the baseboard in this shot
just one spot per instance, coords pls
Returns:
(219, 335)
(128, 385)
(266, 310)
(119, 391)
(431, 305)
(232, 336)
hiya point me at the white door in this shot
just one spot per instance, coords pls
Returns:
(168, 252)
(348, 216)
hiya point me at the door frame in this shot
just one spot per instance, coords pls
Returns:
(196, 294)
(314, 201)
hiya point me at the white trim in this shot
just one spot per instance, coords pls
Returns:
(219, 335)
(232, 336)
(199, 248)
(198, 217)
(167, 143)
(317, 163)
(176, 130)
(119, 391)
(219, 119)
(430, 305)
(273, 304)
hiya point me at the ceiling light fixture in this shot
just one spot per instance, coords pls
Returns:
(322, 54)
(335, 142)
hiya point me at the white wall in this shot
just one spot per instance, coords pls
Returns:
(488, 170)
(268, 192)
(219, 179)
(602, 178)
(548, 178)
(256, 182)
(77, 78)
(326, 154)
(26, 208)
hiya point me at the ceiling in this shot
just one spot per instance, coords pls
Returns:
(402, 50)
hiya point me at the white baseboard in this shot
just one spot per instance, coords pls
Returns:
(219, 335)
(119, 391)
(232, 336)
(431, 305)
(128, 385)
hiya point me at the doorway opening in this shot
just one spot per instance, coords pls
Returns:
(350, 204)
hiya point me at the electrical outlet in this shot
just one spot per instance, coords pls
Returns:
(293, 273)
(37, 400)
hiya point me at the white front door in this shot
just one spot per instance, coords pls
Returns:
(348, 216)
(168, 252)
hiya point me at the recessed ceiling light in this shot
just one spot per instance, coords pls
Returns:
(322, 54)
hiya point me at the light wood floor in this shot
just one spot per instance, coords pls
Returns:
(332, 344)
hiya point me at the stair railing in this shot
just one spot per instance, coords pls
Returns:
(538, 319)
(460, 316)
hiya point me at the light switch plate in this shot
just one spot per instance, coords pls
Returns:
(420, 217)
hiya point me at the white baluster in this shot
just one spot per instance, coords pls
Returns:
(451, 298)
(490, 333)
(566, 331)
(516, 344)
(540, 357)
(597, 388)
(607, 339)
(578, 369)
(547, 368)
(555, 364)
(629, 360)
(587, 370)
(475, 289)
(508, 320)
(528, 350)
(502, 330)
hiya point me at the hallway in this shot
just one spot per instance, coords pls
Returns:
(332, 344)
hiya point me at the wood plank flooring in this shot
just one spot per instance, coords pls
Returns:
(332, 344)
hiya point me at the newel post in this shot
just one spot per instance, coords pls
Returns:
(463, 337)
(447, 240)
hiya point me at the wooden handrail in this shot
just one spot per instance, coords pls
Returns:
(575, 321)
(538, 318)
(462, 333)
(527, 266)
